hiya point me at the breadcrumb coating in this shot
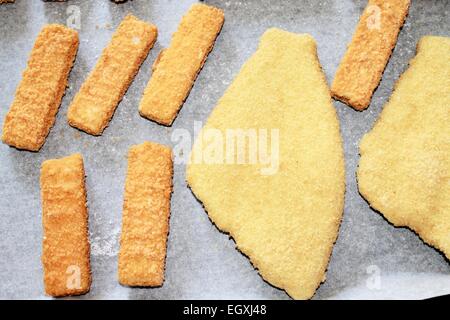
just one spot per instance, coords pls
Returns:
(95, 103)
(362, 66)
(40, 91)
(177, 67)
(404, 171)
(65, 247)
(286, 222)
(145, 218)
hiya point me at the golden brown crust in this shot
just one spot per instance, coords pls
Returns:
(40, 91)
(404, 170)
(6, 1)
(95, 103)
(145, 219)
(176, 70)
(65, 246)
(362, 66)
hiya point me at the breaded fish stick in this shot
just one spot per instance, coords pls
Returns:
(176, 68)
(95, 103)
(40, 91)
(65, 249)
(363, 64)
(146, 211)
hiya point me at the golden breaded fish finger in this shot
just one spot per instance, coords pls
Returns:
(146, 211)
(284, 207)
(176, 68)
(361, 69)
(39, 94)
(65, 248)
(95, 103)
(404, 170)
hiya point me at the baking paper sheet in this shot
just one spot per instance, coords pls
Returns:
(371, 259)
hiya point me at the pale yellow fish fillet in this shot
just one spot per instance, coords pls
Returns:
(286, 219)
(95, 103)
(176, 68)
(362, 66)
(39, 94)
(65, 247)
(404, 171)
(145, 219)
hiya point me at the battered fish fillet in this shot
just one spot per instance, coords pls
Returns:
(95, 103)
(404, 171)
(286, 221)
(176, 68)
(40, 91)
(65, 249)
(145, 219)
(363, 64)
